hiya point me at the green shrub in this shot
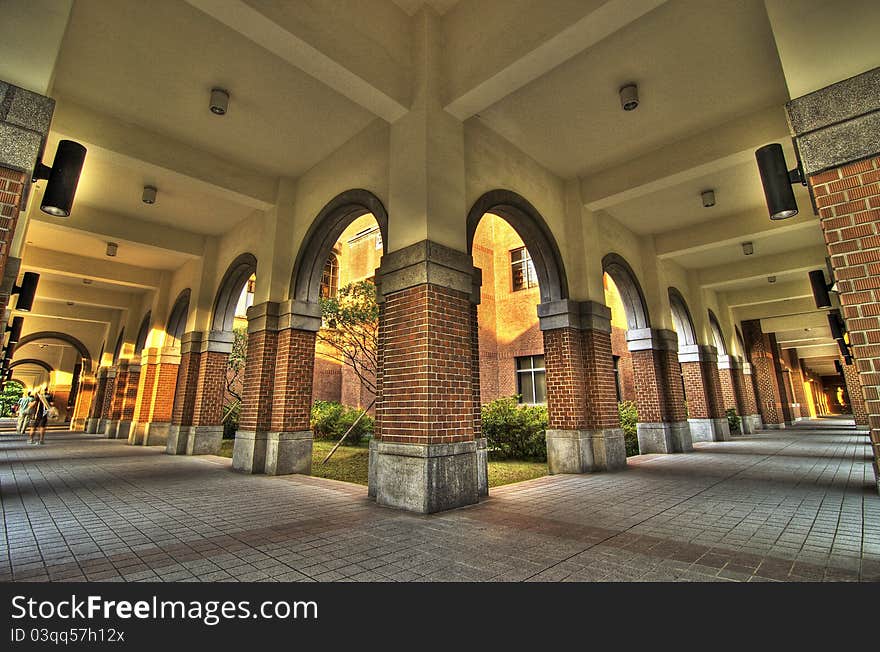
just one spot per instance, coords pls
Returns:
(629, 417)
(733, 420)
(330, 420)
(12, 391)
(515, 431)
(231, 414)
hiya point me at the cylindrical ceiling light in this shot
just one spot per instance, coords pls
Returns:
(112, 248)
(629, 96)
(63, 177)
(26, 291)
(777, 180)
(748, 248)
(219, 101)
(820, 289)
(708, 197)
(149, 196)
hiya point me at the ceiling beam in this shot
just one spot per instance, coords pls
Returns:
(468, 97)
(382, 88)
(65, 264)
(723, 147)
(775, 309)
(797, 260)
(794, 322)
(767, 294)
(83, 295)
(131, 146)
(58, 310)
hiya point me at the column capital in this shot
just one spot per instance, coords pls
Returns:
(191, 341)
(216, 342)
(424, 263)
(697, 353)
(657, 339)
(580, 315)
(263, 317)
(299, 315)
(729, 362)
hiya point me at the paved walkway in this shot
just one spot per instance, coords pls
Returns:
(790, 505)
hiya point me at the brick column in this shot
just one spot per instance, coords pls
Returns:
(737, 391)
(702, 389)
(835, 131)
(249, 451)
(97, 401)
(206, 432)
(426, 458)
(854, 389)
(770, 392)
(584, 431)
(146, 387)
(129, 399)
(662, 426)
(158, 381)
(185, 396)
(120, 386)
(482, 443)
(750, 396)
(800, 409)
(84, 398)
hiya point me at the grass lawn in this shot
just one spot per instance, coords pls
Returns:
(349, 464)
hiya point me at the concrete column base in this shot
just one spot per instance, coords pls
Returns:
(136, 433)
(101, 427)
(289, 452)
(156, 433)
(774, 426)
(204, 440)
(92, 425)
(110, 426)
(585, 451)
(482, 466)
(426, 478)
(709, 429)
(371, 469)
(664, 437)
(78, 425)
(177, 439)
(755, 422)
(249, 452)
(122, 429)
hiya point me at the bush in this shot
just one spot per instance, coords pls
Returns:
(515, 431)
(629, 417)
(733, 420)
(231, 413)
(330, 420)
(12, 391)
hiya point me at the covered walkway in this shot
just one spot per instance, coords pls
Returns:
(788, 505)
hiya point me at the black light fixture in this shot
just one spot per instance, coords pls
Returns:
(837, 325)
(26, 291)
(629, 96)
(844, 348)
(848, 359)
(63, 178)
(219, 101)
(777, 179)
(820, 289)
(15, 329)
(838, 367)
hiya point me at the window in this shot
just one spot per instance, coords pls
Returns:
(531, 379)
(522, 270)
(330, 278)
(617, 378)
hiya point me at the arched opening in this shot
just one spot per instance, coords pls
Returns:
(143, 332)
(118, 348)
(629, 290)
(238, 279)
(176, 324)
(681, 320)
(717, 334)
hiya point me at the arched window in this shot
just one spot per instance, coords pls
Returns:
(330, 277)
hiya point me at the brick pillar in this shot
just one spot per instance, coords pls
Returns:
(770, 393)
(129, 399)
(584, 431)
(97, 401)
(738, 392)
(663, 425)
(185, 396)
(146, 388)
(482, 443)
(84, 397)
(249, 452)
(750, 396)
(158, 381)
(702, 389)
(426, 459)
(854, 389)
(206, 432)
(800, 409)
(120, 386)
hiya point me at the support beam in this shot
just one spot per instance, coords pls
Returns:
(83, 295)
(797, 260)
(64, 264)
(769, 294)
(58, 310)
(784, 308)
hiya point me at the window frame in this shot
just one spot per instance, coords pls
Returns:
(528, 273)
(532, 371)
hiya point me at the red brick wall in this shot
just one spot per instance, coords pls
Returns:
(210, 389)
(848, 199)
(624, 364)
(84, 398)
(119, 391)
(728, 392)
(163, 394)
(294, 370)
(762, 355)
(131, 392)
(426, 393)
(259, 378)
(695, 390)
(659, 392)
(146, 387)
(109, 393)
(185, 395)
(854, 389)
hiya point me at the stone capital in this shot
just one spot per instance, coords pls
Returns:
(656, 339)
(263, 317)
(424, 263)
(581, 315)
(729, 362)
(216, 342)
(697, 353)
(191, 342)
(299, 315)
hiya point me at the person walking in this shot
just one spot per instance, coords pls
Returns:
(41, 416)
(23, 416)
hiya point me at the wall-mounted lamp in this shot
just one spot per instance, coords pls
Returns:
(837, 325)
(149, 195)
(748, 248)
(820, 289)
(26, 291)
(62, 177)
(708, 197)
(15, 330)
(838, 367)
(112, 247)
(777, 180)
(844, 349)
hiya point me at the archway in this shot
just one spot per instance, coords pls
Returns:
(229, 293)
(118, 348)
(681, 320)
(176, 324)
(630, 291)
(63, 337)
(35, 378)
(143, 332)
(717, 334)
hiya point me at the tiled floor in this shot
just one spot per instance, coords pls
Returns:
(790, 505)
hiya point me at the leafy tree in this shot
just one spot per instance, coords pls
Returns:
(234, 382)
(352, 329)
(9, 395)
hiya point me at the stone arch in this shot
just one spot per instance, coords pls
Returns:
(34, 361)
(233, 282)
(717, 334)
(118, 348)
(631, 294)
(177, 319)
(741, 342)
(681, 317)
(63, 337)
(331, 221)
(143, 332)
(534, 232)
